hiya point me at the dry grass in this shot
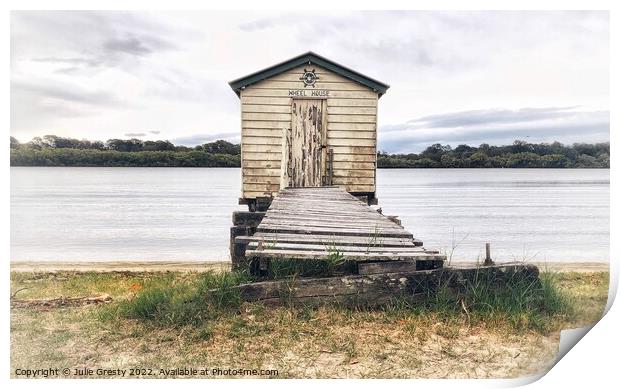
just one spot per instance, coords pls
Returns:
(298, 342)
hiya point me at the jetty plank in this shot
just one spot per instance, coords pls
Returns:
(308, 222)
(334, 246)
(314, 223)
(335, 231)
(347, 256)
(270, 238)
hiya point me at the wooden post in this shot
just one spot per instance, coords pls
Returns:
(330, 161)
(487, 260)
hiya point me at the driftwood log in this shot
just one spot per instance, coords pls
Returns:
(380, 289)
(61, 301)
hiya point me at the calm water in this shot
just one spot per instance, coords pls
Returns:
(185, 214)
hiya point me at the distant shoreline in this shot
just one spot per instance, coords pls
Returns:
(56, 151)
(380, 167)
(200, 266)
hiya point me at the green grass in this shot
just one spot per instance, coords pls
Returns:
(173, 319)
(525, 303)
(75, 284)
(284, 268)
(168, 301)
(522, 302)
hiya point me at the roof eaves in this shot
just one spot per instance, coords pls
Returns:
(308, 58)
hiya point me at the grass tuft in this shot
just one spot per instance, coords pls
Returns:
(166, 301)
(291, 268)
(525, 302)
(519, 300)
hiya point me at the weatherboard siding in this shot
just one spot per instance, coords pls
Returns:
(351, 130)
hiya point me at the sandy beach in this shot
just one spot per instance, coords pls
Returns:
(296, 342)
(199, 266)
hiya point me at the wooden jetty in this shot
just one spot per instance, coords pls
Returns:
(318, 223)
(310, 122)
(308, 167)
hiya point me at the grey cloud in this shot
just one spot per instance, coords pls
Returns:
(492, 116)
(86, 39)
(36, 107)
(336, 32)
(136, 46)
(67, 92)
(74, 65)
(129, 45)
(175, 84)
(135, 134)
(323, 24)
(438, 41)
(271, 22)
(70, 70)
(155, 132)
(496, 127)
(71, 61)
(198, 139)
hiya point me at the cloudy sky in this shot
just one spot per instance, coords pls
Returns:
(456, 77)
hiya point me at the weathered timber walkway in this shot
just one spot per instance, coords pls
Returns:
(314, 223)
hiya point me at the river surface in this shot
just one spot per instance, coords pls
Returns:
(98, 214)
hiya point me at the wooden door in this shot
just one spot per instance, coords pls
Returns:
(304, 145)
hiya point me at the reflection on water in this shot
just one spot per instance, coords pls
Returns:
(185, 214)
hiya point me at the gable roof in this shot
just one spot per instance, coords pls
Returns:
(308, 59)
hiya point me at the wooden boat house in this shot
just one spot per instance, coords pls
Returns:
(308, 154)
(307, 122)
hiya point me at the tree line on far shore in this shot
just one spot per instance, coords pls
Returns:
(52, 150)
(520, 154)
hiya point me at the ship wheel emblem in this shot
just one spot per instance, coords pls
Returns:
(309, 78)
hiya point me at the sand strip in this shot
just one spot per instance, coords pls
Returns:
(198, 266)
